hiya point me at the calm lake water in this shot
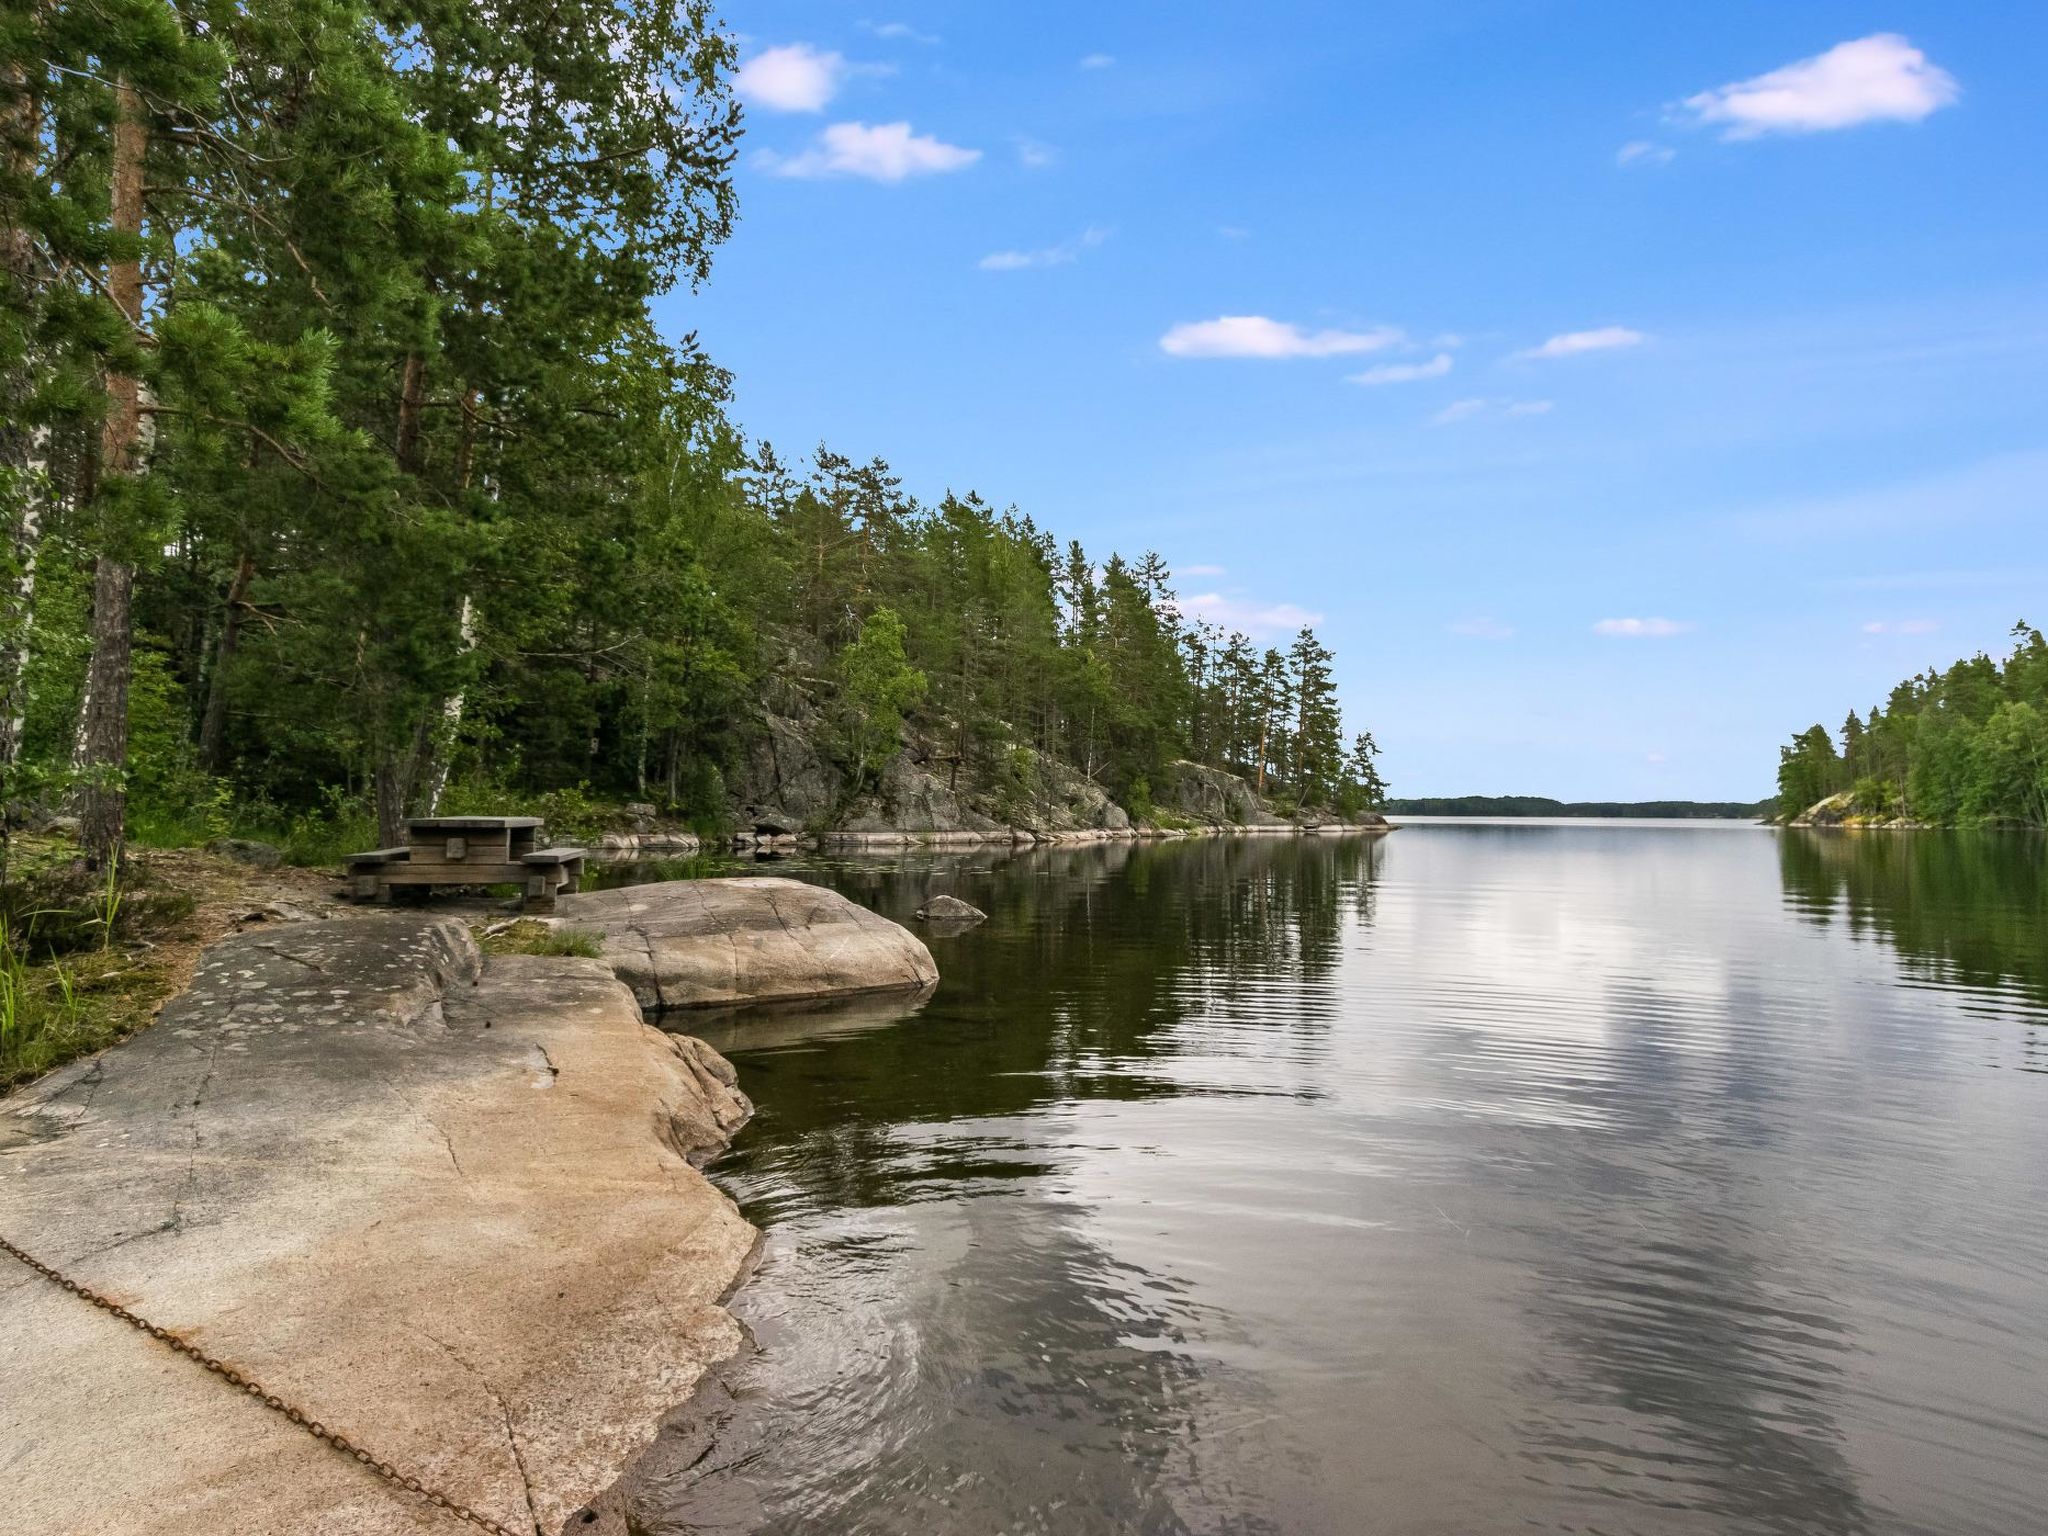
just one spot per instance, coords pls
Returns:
(1611, 1178)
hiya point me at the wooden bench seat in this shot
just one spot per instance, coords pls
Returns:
(549, 872)
(555, 856)
(366, 871)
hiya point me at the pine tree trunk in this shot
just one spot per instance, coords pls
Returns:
(397, 780)
(105, 727)
(389, 786)
(213, 726)
(412, 399)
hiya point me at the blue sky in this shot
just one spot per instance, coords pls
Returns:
(1620, 387)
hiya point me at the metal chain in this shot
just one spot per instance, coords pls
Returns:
(268, 1399)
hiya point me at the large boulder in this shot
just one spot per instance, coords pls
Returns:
(443, 1204)
(245, 850)
(710, 943)
(1833, 811)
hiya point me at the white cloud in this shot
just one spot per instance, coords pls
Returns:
(1233, 232)
(1200, 570)
(1641, 629)
(793, 78)
(1049, 256)
(1482, 629)
(1257, 336)
(1034, 155)
(884, 152)
(1644, 152)
(899, 32)
(1478, 406)
(1261, 621)
(1880, 78)
(1403, 373)
(1096, 61)
(1572, 343)
(1900, 627)
(1654, 758)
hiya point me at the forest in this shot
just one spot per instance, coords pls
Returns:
(1541, 805)
(1963, 747)
(346, 475)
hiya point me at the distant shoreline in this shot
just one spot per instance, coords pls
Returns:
(1537, 805)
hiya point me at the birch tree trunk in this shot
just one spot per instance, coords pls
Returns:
(105, 725)
(24, 448)
(451, 712)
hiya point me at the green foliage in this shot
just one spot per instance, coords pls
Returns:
(1965, 746)
(41, 1020)
(1138, 798)
(84, 958)
(433, 516)
(877, 686)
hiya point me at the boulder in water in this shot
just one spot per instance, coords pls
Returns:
(711, 943)
(950, 909)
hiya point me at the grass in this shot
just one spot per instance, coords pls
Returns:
(530, 936)
(85, 961)
(310, 840)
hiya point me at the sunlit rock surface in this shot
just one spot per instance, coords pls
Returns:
(444, 1204)
(709, 943)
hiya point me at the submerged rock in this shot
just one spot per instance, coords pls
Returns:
(442, 1203)
(708, 943)
(950, 909)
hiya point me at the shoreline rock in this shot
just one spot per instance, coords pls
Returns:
(447, 1205)
(711, 943)
(1837, 813)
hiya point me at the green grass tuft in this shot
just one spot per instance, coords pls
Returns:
(530, 936)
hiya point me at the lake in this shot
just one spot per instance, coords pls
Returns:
(1594, 1177)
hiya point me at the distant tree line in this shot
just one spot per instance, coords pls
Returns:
(343, 470)
(1537, 805)
(1962, 747)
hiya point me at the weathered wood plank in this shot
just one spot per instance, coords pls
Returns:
(455, 874)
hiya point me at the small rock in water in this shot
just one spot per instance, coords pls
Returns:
(950, 909)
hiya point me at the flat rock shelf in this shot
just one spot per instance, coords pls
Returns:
(447, 1205)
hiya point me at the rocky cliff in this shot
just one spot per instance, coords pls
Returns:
(787, 782)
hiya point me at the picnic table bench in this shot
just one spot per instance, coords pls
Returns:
(468, 850)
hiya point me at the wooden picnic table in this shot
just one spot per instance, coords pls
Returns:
(468, 850)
